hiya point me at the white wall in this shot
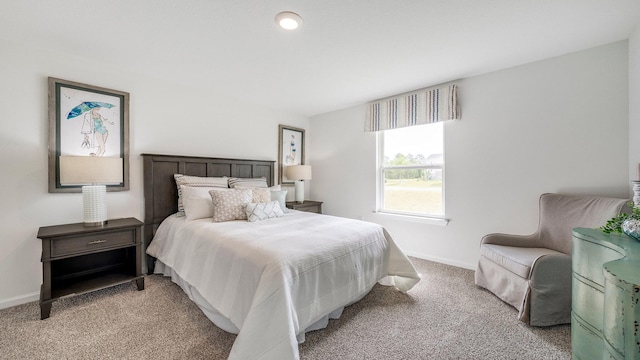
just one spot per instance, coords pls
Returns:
(558, 125)
(165, 118)
(554, 125)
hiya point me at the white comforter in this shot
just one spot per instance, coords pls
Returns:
(274, 278)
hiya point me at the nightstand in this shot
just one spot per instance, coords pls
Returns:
(77, 259)
(307, 205)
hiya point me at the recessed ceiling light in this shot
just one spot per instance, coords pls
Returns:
(288, 20)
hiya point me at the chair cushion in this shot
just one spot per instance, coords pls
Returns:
(517, 260)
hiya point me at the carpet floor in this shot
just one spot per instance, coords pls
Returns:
(445, 316)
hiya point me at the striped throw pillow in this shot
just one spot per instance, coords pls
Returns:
(260, 182)
(196, 181)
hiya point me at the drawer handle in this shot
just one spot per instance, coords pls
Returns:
(97, 242)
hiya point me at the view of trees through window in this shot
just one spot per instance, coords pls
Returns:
(412, 170)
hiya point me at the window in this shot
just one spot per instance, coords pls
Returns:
(411, 176)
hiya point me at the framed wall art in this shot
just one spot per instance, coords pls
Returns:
(290, 150)
(86, 120)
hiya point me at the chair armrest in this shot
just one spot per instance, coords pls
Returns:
(512, 240)
(552, 266)
(549, 297)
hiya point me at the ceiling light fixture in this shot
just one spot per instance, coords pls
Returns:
(288, 20)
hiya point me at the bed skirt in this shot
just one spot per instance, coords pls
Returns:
(224, 323)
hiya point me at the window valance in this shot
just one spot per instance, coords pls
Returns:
(417, 108)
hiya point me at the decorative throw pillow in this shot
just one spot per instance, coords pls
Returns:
(262, 211)
(260, 182)
(229, 205)
(281, 198)
(260, 195)
(197, 201)
(197, 181)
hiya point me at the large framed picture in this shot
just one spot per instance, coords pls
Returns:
(290, 150)
(86, 120)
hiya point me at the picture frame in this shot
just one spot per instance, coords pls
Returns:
(290, 150)
(86, 120)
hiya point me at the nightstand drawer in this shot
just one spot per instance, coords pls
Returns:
(91, 242)
(306, 206)
(313, 209)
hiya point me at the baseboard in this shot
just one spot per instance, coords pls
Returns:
(442, 260)
(19, 300)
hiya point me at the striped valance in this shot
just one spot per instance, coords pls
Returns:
(422, 107)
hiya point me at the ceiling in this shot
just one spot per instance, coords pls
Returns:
(346, 53)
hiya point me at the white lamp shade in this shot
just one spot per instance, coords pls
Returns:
(299, 172)
(79, 170)
(95, 170)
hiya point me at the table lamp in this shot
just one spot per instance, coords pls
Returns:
(299, 173)
(93, 172)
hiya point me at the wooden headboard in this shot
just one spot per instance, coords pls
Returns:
(161, 193)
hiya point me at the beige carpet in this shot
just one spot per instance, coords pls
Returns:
(444, 317)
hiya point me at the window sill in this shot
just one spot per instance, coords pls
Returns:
(412, 218)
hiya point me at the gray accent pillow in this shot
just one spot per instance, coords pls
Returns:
(281, 197)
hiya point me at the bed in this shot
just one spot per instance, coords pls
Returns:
(268, 281)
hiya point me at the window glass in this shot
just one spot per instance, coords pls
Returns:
(411, 168)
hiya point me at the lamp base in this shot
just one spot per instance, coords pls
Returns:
(94, 200)
(97, 223)
(299, 191)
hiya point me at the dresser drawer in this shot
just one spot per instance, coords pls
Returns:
(588, 258)
(91, 242)
(588, 303)
(586, 344)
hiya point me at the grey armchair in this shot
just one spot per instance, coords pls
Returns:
(533, 272)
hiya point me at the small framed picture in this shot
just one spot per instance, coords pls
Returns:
(290, 150)
(86, 120)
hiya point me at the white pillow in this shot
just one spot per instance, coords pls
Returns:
(281, 198)
(197, 202)
(197, 181)
(229, 205)
(263, 211)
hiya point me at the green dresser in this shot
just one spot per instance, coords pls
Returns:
(605, 311)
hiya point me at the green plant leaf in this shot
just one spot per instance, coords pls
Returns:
(614, 225)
